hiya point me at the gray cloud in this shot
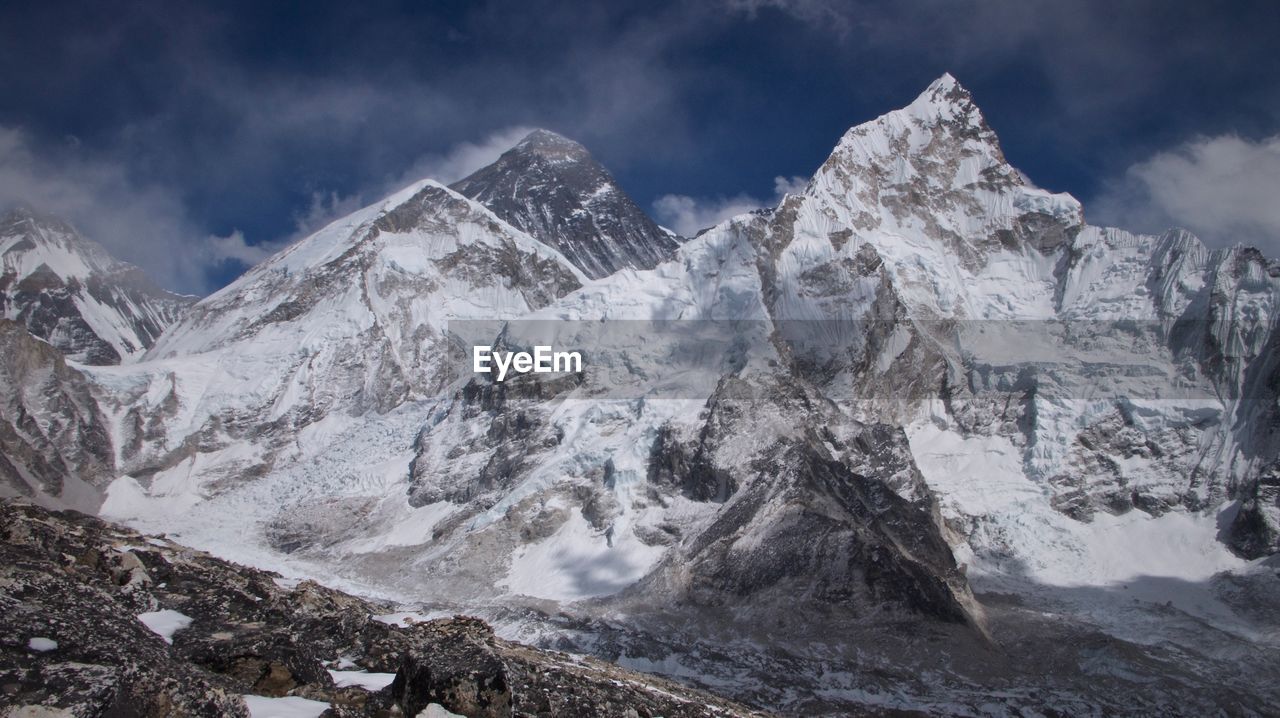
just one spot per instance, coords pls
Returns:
(218, 126)
(1089, 57)
(829, 14)
(1222, 188)
(146, 225)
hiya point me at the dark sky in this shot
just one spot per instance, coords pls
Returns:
(192, 138)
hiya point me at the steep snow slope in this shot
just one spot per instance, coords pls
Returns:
(551, 187)
(68, 291)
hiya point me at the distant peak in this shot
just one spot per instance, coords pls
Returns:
(551, 144)
(547, 137)
(19, 212)
(945, 92)
(23, 213)
(944, 84)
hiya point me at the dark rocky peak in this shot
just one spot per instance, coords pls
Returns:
(552, 146)
(23, 216)
(552, 188)
(32, 229)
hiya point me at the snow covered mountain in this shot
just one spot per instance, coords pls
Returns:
(349, 321)
(551, 187)
(917, 437)
(68, 291)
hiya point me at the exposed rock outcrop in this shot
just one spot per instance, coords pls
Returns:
(54, 440)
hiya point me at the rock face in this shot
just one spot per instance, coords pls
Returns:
(551, 187)
(68, 291)
(55, 442)
(72, 588)
(804, 527)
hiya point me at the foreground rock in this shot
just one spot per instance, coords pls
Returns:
(99, 620)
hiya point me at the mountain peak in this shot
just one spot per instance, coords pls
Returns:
(937, 162)
(944, 111)
(19, 211)
(31, 233)
(551, 187)
(551, 146)
(23, 214)
(946, 82)
(69, 290)
(946, 98)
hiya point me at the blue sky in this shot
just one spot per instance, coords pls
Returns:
(193, 139)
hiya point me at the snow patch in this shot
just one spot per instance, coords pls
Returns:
(165, 622)
(42, 645)
(362, 679)
(435, 710)
(577, 561)
(287, 707)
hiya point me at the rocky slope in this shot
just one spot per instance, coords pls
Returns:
(99, 620)
(55, 442)
(68, 291)
(551, 187)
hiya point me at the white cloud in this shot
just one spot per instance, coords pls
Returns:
(688, 215)
(234, 247)
(1222, 188)
(783, 186)
(149, 225)
(462, 159)
(146, 225)
(325, 207)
